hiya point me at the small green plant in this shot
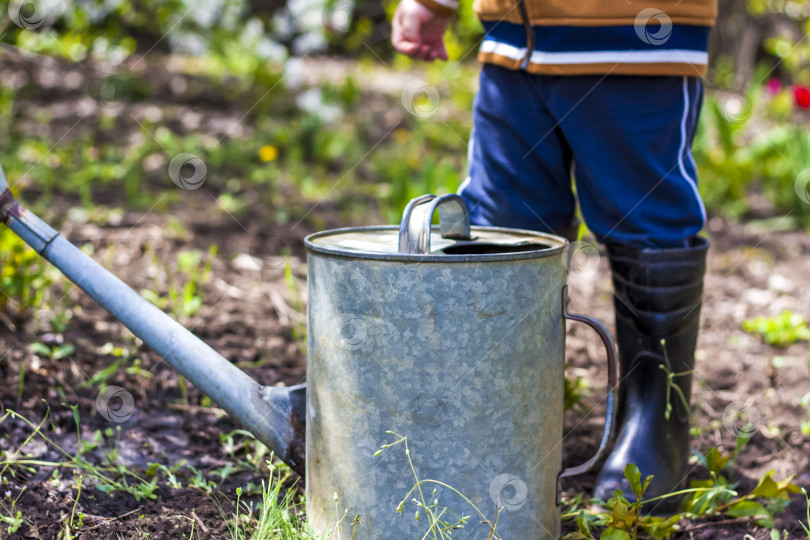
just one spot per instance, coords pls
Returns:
(9, 515)
(200, 482)
(62, 317)
(54, 353)
(716, 497)
(25, 277)
(189, 297)
(277, 517)
(168, 472)
(122, 357)
(574, 391)
(186, 300)
(622, 519)
(619, 519)
(806, 525)
(671, 386)
(805, 403)
(106, 478)
(248, 452)
(781, 331)
(438, 526)
(70, 525)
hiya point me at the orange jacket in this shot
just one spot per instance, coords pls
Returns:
(592, 37)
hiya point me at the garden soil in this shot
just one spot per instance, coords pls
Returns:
(248, 317)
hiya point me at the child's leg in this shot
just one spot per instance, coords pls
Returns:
(637, 187)
(520, 163)
(631, 138)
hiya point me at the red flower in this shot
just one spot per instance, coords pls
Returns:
(801, 94)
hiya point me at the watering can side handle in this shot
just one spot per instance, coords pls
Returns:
(612, 384)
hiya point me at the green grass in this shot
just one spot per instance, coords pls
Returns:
(275, 509)
(25, 278)
(277, 517)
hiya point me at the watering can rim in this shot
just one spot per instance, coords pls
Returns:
(554, 245)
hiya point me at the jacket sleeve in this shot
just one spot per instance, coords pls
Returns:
(443, 8)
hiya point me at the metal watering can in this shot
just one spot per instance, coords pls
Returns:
(448, 339)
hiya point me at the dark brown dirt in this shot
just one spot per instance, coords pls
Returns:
(174, 514)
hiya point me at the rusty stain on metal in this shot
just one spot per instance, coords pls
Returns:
(7, 202)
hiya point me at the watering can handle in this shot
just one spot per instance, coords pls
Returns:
(414, 230)
(610, 412)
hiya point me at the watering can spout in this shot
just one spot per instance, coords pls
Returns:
(275, 415)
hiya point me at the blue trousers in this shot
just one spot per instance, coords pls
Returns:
(625, 139)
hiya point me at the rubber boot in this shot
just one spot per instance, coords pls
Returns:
(657, 297)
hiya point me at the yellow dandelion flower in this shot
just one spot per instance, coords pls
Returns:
(401, 136)
(268, 153)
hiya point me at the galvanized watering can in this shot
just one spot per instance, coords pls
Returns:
(453, 337)
(447, 339)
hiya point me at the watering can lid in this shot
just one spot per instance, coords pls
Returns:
(453, 240)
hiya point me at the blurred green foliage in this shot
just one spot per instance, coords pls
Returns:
(112, 30)
(318, 148)
(344, 140)
(781, 331)
(789, 46)
(742, 146)
(25, 278)
(724, 160)
(183, 296)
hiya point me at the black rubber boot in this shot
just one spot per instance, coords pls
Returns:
(657, 296)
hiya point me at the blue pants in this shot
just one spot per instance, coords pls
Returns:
(626, 139)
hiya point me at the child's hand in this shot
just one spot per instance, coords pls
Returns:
(418, 32)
